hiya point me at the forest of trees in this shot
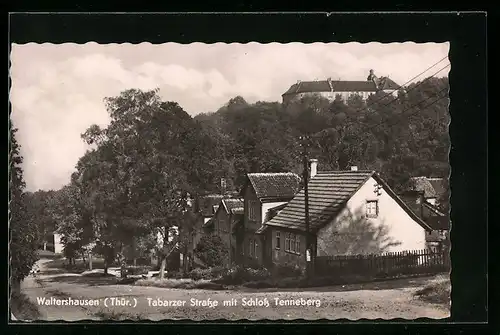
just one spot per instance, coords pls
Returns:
(134, 181)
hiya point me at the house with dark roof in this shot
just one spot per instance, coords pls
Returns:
(434, 189)
(204, 208)
(350, 212)
(261, 193)
(436, 218)
(330, 89)
(228, 214)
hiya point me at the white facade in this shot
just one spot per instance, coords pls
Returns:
(401, 227)
(58, 246)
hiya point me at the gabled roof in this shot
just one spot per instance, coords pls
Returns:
(439, 185)
(238, 211)
(432, 187)
(282, 185)
(205, 204)
(388, 84)
(429, 213)
(230, 204)
(208, 223)
(328, 195)
(341, 86)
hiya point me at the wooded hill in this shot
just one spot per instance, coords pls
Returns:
(398, 137)
(132, 184)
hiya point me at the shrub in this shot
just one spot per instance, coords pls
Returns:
(287, 270)
(136, 270)
(438, 292)
(210, 273)
(211, 250)
(238, 275)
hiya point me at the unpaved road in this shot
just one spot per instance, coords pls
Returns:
(385, 300)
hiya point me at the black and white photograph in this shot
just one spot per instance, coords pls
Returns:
(233, 181)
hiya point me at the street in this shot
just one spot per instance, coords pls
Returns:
(384, 300)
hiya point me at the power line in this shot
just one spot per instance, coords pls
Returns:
(413, 106)
(409, 81)
(395, 99)
(417, 85)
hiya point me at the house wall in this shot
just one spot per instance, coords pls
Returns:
(328, 95)
(223, 230)
(58, 246)
(278, 253)
(401, 228)
(251, 226)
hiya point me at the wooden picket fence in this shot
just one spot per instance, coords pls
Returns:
(389, 264)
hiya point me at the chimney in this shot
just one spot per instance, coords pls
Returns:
(329, 80)
(354, 168)
(313, 167)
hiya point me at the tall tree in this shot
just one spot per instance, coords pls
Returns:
(23, 231)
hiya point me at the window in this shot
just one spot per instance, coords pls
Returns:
(256, 248)
(252, 210)
(292, 243)
(278, 240)
(372, 209)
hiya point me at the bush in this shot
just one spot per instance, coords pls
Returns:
(208, 274)
(180, 284)
(287, 270)
(136, 270)
(211, 250)
(239, 275)
(438, 293)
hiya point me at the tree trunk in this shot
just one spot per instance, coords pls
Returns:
(83, 258)
(90, 261)
(185, 259)
(44, 246)
(162, 266)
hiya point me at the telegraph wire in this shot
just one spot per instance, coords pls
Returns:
(409, 81)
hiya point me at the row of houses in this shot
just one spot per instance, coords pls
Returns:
(350, 212)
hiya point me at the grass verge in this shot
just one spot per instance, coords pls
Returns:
(22, 308)
(180, 284)
(437, 293)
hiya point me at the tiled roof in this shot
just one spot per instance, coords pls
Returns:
(388, 84)
(238, 211)
(205, 204)
(230, 204)
(274, 185)
(421, 184)
(436, 219)
(432, 187)
(439, 185)
(262, 229)
(338, 86)
(328, 194)
(341, 86)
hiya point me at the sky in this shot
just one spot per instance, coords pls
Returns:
(57, 91)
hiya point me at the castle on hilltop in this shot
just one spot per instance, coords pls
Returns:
(330, 89)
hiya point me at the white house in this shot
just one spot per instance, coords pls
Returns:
(330, 89)
(351, 212)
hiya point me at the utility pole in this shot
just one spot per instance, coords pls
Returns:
(308, 254)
